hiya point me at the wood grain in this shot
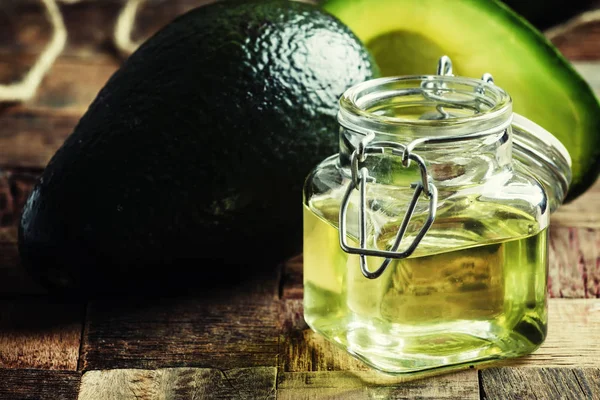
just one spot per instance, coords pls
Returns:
(31, 384)
(67, 90)
(589, 380)
(574, 269)
(30, 140)
(582, 212)
(40, 332)
(300, 349)
(305, 350)
(540, 383)
(292, 315)
(217, 330)
(179, 383)
(260, 382)
(372, 385)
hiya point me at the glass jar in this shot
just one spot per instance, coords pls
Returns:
(425, 238)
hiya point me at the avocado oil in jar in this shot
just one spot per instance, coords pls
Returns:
(472, 288)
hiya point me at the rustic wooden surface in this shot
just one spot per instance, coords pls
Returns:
(38, 384)
(243, 342)
(179, 383)
(540, 383)
(40, 332)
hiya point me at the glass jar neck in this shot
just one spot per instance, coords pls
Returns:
(449, 164)
(460, 127)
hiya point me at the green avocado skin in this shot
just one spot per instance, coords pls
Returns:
(191, 159)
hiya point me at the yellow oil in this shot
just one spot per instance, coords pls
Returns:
(461, 299)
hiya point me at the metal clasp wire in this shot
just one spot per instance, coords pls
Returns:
(360, 178)
(359, 181)
(434, 90)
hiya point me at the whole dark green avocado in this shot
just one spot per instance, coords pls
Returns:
(189, 163)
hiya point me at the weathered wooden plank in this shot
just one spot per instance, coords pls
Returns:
(304, 350)
(575, 247)
(224, 329)
(31, 384)
(179, 383)
(30, 140)
(67, 90)
(372, 385)
(574, 262)
(582, 212)
(292, 315)
(589, 380)
(40, 332)
(259, 382)
(539, 383)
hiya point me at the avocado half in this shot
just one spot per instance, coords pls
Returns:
(407, 37)
(188, 165)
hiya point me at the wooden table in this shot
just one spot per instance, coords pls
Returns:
(248, 341)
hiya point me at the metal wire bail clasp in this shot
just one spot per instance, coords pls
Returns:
(360, 178)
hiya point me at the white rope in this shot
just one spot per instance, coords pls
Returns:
(124, 27)
(26, 88)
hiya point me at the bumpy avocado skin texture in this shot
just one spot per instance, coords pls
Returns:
(406, 38)
(192, 157)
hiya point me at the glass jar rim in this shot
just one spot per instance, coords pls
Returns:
(354, 115)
